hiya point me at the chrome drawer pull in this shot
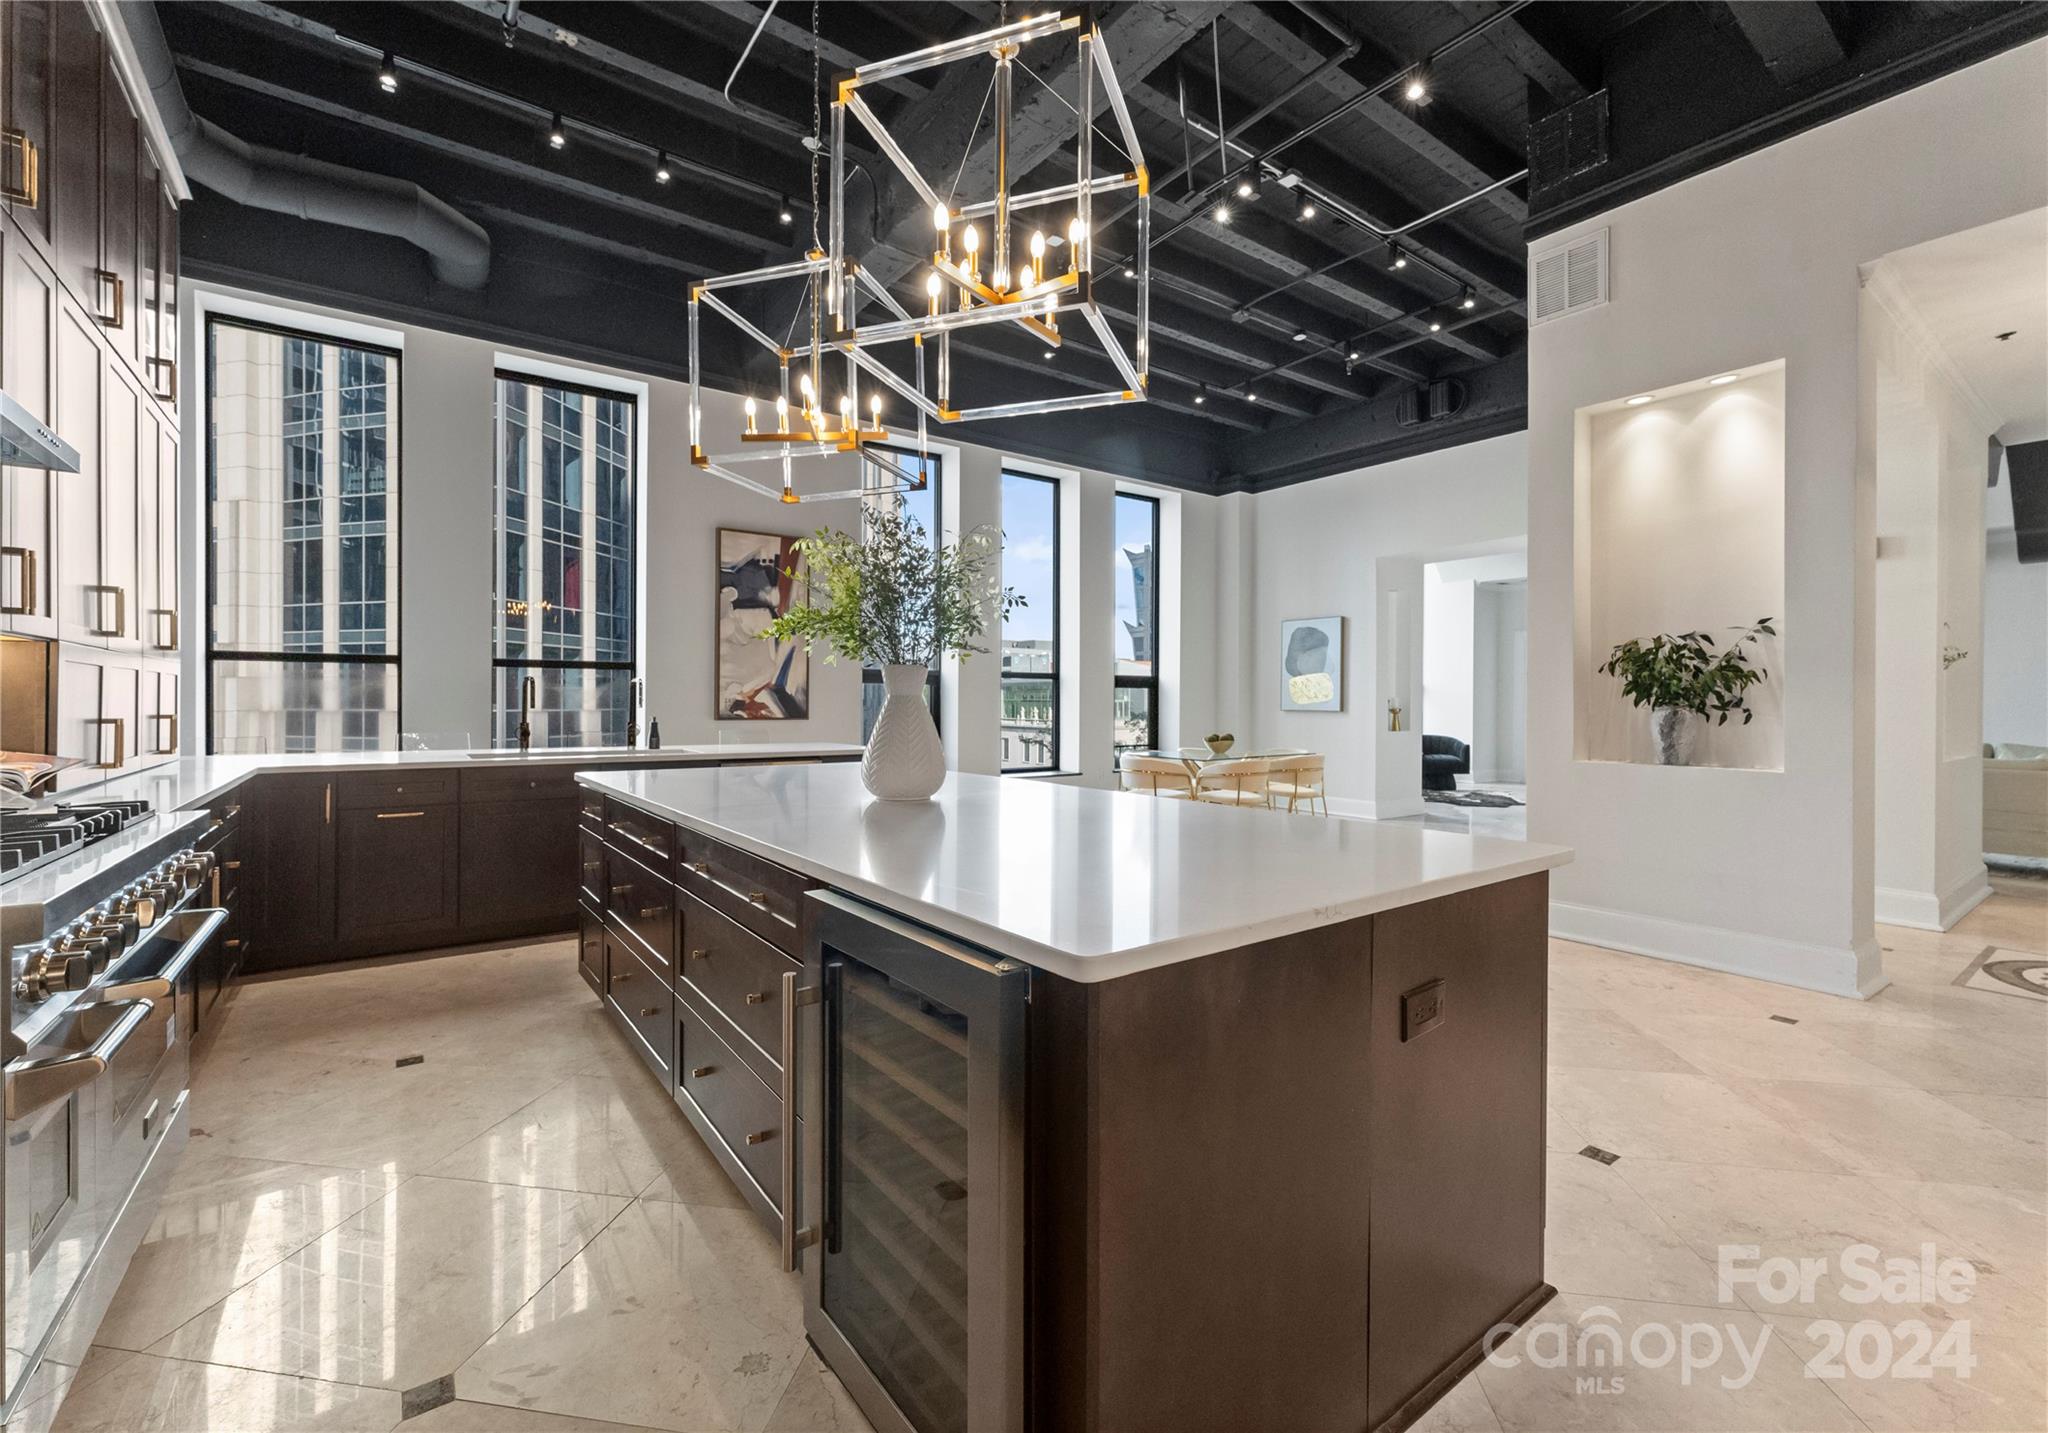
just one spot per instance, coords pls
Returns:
(793, 1238)
(622, 890)
(622, 977)
(398, 815)
(648, 913)
(757, 997)
(702, 868)
(762, 1136)
(702, 1070)
(757, 898)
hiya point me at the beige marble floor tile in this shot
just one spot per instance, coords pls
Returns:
(1601, 1239)
(1656, 1115)
(2006, 920)
(689, 1174)
(2007, 1226)
(1754, 1046)
(2005, 1391)
(696, 1293)
(402, 1292)
(1902, 1133)
(1602, 1039)
(1988, 1057)
(2023, 1117)
(1531, 1398)
(216, 1233)
(816, 1402)
(464, 1417)
(147, 1394)
(1463, 1409)
(1845, 1225)
(1560, 1133)
(587, 1133)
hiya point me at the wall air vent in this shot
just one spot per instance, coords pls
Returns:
(1568, 278)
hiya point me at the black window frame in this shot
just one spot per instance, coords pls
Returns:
(535, 663)
(1052, 677)
(1150, 683)
(394, 530)
(871, 675)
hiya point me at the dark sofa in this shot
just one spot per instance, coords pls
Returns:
(1444, 760)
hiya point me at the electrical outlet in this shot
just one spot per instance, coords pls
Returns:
(1422, 1010)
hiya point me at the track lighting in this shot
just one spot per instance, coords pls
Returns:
(1048, 353)
(387, 74)
(1308, 209)
(1248, 183)
(1469, 301)
(782, 213)
(661, 173)
(1416, 89)
(1221, 214)
(1396, 259)
(1352, 356)
(1129, 272)
(1436, 325)
(1301, 335)
(557, 136)
(1199, 400)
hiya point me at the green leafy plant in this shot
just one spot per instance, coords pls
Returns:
(1688, 671)
(892, 595)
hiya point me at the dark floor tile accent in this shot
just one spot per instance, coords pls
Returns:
(1784, 1020)
(412, 1060)
(1605, 1156)
(428, 1396)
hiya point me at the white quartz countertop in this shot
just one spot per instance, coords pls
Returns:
(1085, 883)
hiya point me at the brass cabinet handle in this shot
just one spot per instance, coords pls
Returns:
(625, 890)
(329, 814)
(793, 1238)
(649, 1012)
(232, 865)
(699, 954)
(648, 913)
(109, 298)
(398, 815)
(622, 977)
(158, 627)
(757, 997)
(163, 373)
(235, 944)
(757, 898)
(156, 721)
(120, 727)
(20, 187)
(702, 868)
(27, 605)
(762, 1136)
(703, 1070)
(120, 609)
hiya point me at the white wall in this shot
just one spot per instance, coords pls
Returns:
(1449, 654)
(2015, 643)
(445, 456)
(1500, 696)
(1768, 872)
(1353, 545)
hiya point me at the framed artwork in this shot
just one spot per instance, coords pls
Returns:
(758, 679)
(1312, 664)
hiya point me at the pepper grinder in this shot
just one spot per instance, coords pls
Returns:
(654, 734)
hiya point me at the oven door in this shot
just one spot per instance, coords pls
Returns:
(58, 1099)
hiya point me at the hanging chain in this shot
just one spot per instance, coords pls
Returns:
(817, 118)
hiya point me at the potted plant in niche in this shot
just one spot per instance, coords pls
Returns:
(1685, 678)
(897, 598)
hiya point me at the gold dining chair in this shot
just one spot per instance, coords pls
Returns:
(1157, 776)
(1244, 782)
(1298, 780)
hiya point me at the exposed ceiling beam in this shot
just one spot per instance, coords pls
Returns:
(1792, 37)
(1512, 41)
(790, 36)
(1445, 143)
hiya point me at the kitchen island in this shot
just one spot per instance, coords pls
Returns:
(1110, 1113)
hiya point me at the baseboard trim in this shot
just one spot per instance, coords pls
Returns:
(1932, 910)
(1848, 971)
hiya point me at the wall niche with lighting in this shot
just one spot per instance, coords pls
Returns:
(1679, 525)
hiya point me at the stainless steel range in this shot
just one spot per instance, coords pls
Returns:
(105, 933)
(39, 836)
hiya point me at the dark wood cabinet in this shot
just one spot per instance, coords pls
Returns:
(296, 878)
(397, 874)
(590, 951)
(518, 865)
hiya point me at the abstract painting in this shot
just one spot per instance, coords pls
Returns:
(758, 679)
(1312, 664)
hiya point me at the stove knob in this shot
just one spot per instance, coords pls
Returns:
(112, 934)
(48, 972)
(139, 901)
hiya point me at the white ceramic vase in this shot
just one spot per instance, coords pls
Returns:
(1674, 732)
(904, 760)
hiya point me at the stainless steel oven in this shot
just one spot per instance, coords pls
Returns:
(913, 1170)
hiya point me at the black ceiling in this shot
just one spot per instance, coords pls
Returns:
(1258, 317)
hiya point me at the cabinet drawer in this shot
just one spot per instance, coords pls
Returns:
(644, 1005)
(759, 894)
(410, 788)
(518, 782)
(647, 837)
(641, 907)
(745, 1114)
(590, 803)
(740, 974)
(590, 867)
(590, 951)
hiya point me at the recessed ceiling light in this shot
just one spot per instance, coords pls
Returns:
(1308, 210)
(1396, 259)
(1720, 378)
(1198, 399)
(1416, 90)
(1641, 398)
(1470, 300)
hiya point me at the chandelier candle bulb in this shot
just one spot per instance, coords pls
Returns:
(943, 222)
(1037, 255)
(781, 413)
(932, 287)
(750, 415)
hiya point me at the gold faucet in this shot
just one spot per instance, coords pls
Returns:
(526, 703)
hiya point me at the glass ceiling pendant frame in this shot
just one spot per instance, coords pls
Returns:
(1017, 288)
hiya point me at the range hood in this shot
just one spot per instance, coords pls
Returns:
(26, 442)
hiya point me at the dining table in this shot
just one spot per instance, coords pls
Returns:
(1195, 758)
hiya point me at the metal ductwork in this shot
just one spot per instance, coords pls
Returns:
(264, 178)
